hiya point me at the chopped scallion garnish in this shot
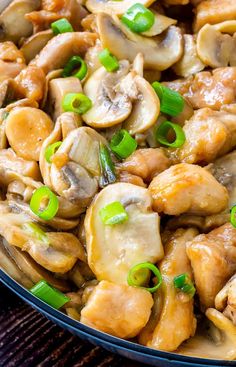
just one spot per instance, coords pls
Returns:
(49, 294)
(171, 102)
(51, 150)
(76, 102)
(61, 26)
(184, 284)
(122, 144)
(76, 67)
(108, 175)
(139, 276)
(108, 60)
(232, 216)
(138, 18)
(113, 213)
(162, 134)
(39, 196)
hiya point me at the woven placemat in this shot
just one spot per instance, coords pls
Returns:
(28, 339)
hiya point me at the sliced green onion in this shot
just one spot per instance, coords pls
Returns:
(184, 284)
(113, 213)
(77, 67)
(139, 274)
(232, 216)
(138, 18)
(49, 294)
(41, 194)
(5, 115)
(51, 150)
(172, 103)
(108, 60)
(36, 231)
(162, 133)
(122, 144)
(76, 102)
(107, 166)
(61, 26)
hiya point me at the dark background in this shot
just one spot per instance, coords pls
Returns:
(28, 339)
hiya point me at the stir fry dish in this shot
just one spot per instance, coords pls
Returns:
(118, 168)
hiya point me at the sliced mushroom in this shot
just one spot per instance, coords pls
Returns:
(12, 20)
(75, 167)
(58, 88)
(159, 53)
(145, 110)
(60, 48)
(110, 107)
(113, 250)
(57, 252)
(34, 44)
(9, 266)
(161, 23)
(10, 163)
(174, 321)
(190, 63)
(32, 270)
(26, 129)
(113, 6)
(124, 318)
(226, 300)
(213, 47)
(188, 188)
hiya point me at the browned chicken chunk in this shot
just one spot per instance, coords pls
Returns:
(214, 11)
(209, 134)
(119, 310)
(213, 259)
(187, 188)
(172, 320)
(208, 89)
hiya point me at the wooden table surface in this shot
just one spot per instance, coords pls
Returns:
(28, 339)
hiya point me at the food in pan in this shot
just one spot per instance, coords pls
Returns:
(117, 165)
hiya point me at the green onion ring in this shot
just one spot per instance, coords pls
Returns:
(162, 132)
(122, 144)
(184, 284)
(232, 216)
(138, 18)
(76, 62)
(108, 60)
(113, 213)
(76, 102)
(171, 102)
(51, 210)
(49, 294)
(51, 150)
(135, 281)
(61, 26)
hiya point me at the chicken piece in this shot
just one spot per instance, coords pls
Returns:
(119, 310)
(213, 259)
(130, 178)
(214, 11)
(42, 19)
(208, 89)
(10, 53)
(172, 320)
(31, 83)
(209, 134)
(145, 163)
(60, 48)
(187, 188)
(226, 300)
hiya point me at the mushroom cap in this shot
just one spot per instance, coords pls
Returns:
(13, 24)
(145, 110)
(190, 63)
(113, 250)
(110, 107)
(114, 6)
(213, 47)
(161, 23)
(159, 53)
(34, 44)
